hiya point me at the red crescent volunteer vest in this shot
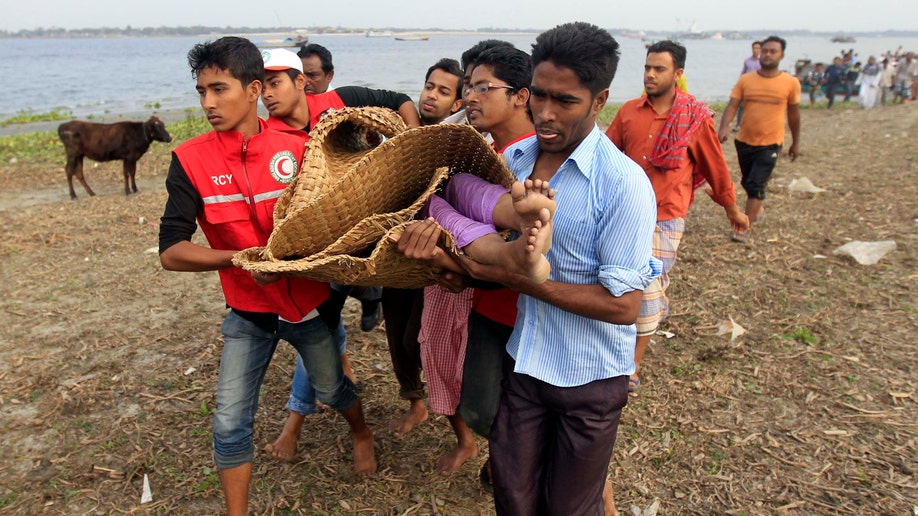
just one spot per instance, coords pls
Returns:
(239, 180)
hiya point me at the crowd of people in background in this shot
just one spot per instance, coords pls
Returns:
(889, 78)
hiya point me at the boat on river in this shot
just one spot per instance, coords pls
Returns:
(294, 39)
(413, 37)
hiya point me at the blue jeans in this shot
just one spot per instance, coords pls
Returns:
(302, 394)
(247, 351)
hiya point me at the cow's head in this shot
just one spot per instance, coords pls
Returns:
(156, 130)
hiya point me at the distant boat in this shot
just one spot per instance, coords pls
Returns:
(295, 39)
(379, 34)
(841, 38)
(423, 37)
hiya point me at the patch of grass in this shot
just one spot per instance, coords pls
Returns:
(31, 147)
(27, 116)
(801, 335)
(193, 125)
(211, 481)
(152, 105)
(205, 410)
(113, 443)
(604, 118)
(7, 499)
(717, 457)
(687, 369)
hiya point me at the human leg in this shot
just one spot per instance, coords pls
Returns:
(302, 401)
(247, 351)
(584, 437)
(608, 499)
(483, 373)
(667, 236)
(472, 208)
(756, 166)
(465, 449)
(492, 204)
(235, 482)
(524, 255)
(370, 306)
(402, 313)
(315, 343)
(519, 445)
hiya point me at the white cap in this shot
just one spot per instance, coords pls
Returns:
(281, 59)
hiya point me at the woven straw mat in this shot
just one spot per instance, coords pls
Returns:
(332, 223)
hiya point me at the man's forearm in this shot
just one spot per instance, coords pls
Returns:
(592, 301)
(188, 257)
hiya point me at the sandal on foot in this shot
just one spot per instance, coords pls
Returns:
(736, 236)
(633, 384)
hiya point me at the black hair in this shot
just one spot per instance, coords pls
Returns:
(314, 49)
(293, 73)
(238, 56)
(510, 65)
(675, 50)
(590, 52)
(450, 66)
(776, 39)
(754, 43)
(470, 55)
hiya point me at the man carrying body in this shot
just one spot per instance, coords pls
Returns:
(317, 67)
(751, 64)
(264, 308)
(770, 95)
(293, 111)
(496, 102)
(571, 350)
(319, 71)
(442, 93)
(684, 139)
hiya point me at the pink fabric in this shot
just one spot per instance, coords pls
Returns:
(443, 337)
(444, 321)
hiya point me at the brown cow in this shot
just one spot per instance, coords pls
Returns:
(126, 141)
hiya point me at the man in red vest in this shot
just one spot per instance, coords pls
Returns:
(227, 181)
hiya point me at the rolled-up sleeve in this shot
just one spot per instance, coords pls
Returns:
(625, 235)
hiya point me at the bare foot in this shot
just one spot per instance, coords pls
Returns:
(465, 449)
(364, 458)
(529, 199)
(608, 500)
(416, 414)
(527, 252)
(284, 448)
(452, 461)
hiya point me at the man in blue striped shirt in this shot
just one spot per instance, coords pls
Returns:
(572, 348)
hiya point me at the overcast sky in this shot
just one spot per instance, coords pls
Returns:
(664, 15)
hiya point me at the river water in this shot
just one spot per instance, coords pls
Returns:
(132, 76)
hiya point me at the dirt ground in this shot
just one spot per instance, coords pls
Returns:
(108, 363)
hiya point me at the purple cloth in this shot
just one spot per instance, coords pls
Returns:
(468, 207)
(751, 64)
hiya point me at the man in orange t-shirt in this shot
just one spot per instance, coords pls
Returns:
(670, 135)
(768, 95)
